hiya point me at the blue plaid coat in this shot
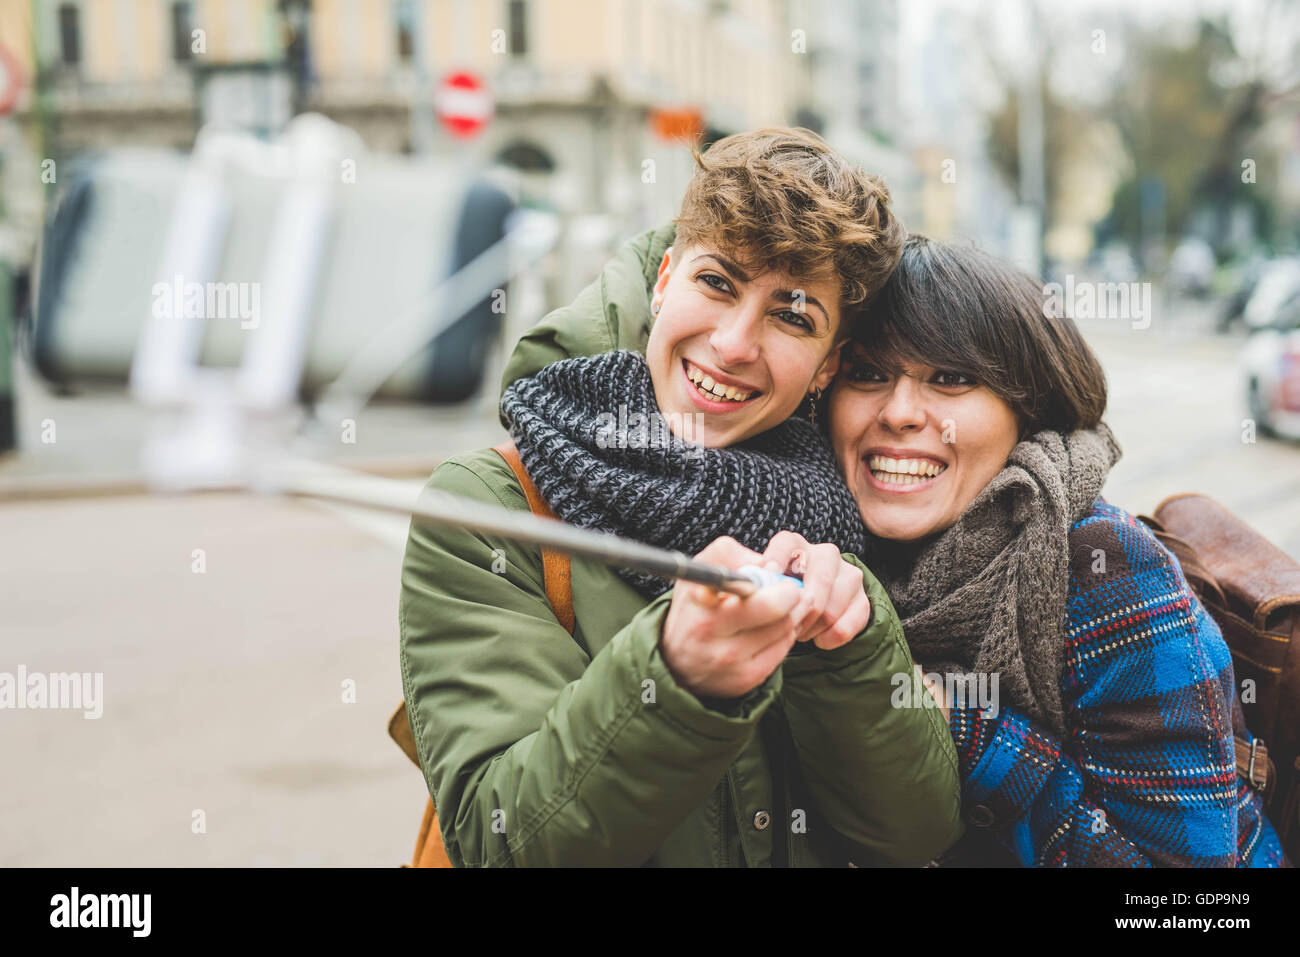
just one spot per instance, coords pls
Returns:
(1145, 775)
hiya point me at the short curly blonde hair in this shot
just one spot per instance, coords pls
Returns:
(782, 199)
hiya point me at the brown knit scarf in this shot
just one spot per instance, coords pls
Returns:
(988, 594)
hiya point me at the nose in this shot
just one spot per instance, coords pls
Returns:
(903, 410)
(735, 340)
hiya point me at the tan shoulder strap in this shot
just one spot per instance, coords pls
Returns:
(557, 577)
(557, 580)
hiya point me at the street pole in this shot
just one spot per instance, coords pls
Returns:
(8, 424)
(421, 128)
(1032, 175)
(1029, 142)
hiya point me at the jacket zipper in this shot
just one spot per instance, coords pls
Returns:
(724, 820)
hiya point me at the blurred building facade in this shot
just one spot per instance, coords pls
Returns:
(954, 189)
(588, 94)
(853, 77)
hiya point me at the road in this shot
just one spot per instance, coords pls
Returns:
(1178, 410)
(225, 690)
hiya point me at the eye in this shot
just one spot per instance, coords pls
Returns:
(951, 379)
(796, 319)
(714, 281)
(863, 373)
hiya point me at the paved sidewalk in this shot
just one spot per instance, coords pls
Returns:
(223, 691)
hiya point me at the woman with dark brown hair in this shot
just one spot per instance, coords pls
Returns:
(1089, 694)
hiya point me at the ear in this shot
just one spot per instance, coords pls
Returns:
(665, 271)
(826, 374)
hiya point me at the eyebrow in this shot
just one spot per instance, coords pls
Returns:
(778, 295)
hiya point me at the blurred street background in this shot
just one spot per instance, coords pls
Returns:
(1144, 159)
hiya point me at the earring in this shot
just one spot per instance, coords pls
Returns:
(654, 309)
(814, 397)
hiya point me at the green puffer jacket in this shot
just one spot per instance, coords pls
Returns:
(542, 748)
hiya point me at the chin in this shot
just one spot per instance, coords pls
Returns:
(894, 530)
(713, 440)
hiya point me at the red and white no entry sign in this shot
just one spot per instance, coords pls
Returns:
(11, 80)
(464, 104)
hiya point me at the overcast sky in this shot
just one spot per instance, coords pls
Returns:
(1271, 27)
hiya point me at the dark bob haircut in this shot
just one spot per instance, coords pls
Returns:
(959, 309)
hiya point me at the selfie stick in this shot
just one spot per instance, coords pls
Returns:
(312, 480)
(208, 450)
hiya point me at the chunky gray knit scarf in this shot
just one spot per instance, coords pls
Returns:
(591, 436)
(988, 595)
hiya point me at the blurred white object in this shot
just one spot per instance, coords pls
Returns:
(1191, 267)
(1117, 264)
(1270, 362)
(1278, 288)
(192, 248)
(230, 286)
(300, 232)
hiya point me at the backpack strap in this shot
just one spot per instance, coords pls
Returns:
(557, 575)
(1200, 577)
(1254, 765)
(557, 579)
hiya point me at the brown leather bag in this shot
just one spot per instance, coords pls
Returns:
(556, 578)
(1252, 590)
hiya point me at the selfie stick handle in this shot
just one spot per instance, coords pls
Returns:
(311, 480)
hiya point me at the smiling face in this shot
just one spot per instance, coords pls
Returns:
(733, 351)
(916, 444)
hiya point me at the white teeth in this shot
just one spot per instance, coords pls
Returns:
(715, 390)
(893, 478)
(903, 471)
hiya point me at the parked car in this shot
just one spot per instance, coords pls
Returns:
(1271, 367)
(1275, 303)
